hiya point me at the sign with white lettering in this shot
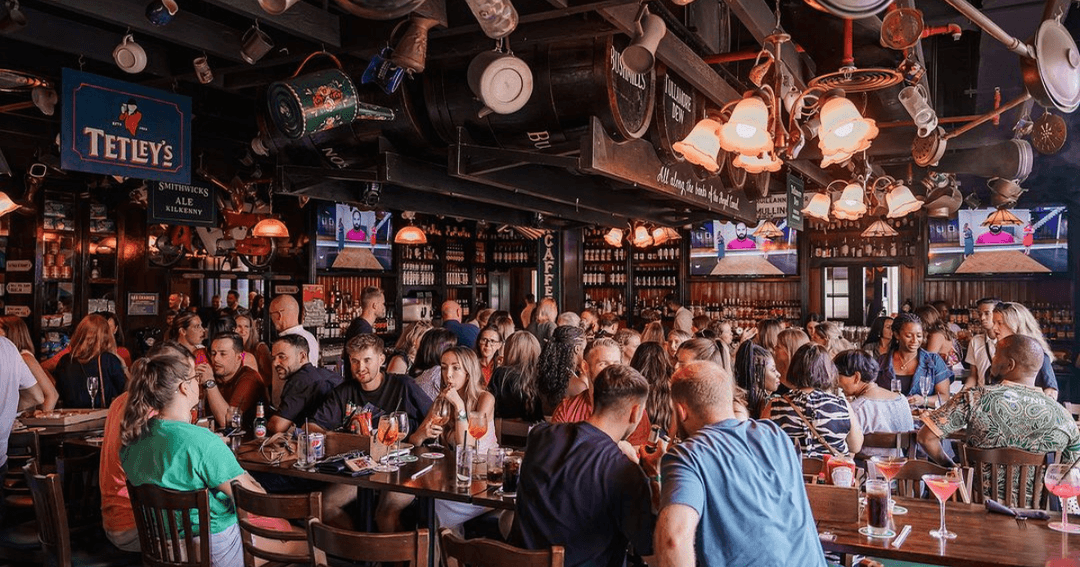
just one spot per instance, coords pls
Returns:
(20, 288)
(286, 290)
(794, 202)
(118, 128)
(179, 203)
(20, 265)
(548, 269)
(142, 304)
(17, 310)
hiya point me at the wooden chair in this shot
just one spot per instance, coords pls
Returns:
(19, 542)
(23, 447)
(262, 542)
(1019, 472)
(331, 546)
(902, 442)
(833, 504)
(512, 432)
(811, 468)
(166, 534)
(491, 553)
(82, 493)
(909, 479)
(53, 533)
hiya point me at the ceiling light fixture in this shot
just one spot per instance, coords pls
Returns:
(614, 237)
(747, 131)
(768, 230)
(664, 234)
(879, 229)
(818, 207)
(852, 203)
(843, 128)
(270, 228)
(410, 234)
(702, 145)
(642, 238)
(900, 200)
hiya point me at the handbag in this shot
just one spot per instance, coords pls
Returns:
(813, 430)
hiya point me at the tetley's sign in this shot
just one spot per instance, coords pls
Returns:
(117, 128)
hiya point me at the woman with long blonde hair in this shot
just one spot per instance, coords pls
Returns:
(543, 325)
(15, 330)
(401, 361)
(91, 366)
(1015, 319)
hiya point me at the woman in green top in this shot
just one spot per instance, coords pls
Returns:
(160, 446)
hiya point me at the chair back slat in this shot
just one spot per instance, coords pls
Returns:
(901, 442)
(491, 553)
(167, 534)
(274, 545)
(1011, 476)
(82, 492)
(52, 521)
(329, 545)
(23, 447)
(833, 503)
(909, 480)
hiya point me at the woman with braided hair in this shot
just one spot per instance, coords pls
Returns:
(756, 373)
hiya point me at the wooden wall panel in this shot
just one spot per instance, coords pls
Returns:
(964, 293)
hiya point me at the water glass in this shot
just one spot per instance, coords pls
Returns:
(304, 455)
(463, 469)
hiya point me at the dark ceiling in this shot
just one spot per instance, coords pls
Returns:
(962, 75)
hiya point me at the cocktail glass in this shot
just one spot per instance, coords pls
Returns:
(1063, 481)
(943, 486)
(889, 467)
(386, 435)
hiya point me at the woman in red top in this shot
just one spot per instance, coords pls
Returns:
(489, 350)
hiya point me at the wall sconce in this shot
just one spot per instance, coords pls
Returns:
(664, 234)
(410, 234)
(851, 205)
(614, 237)
(640, 56)
(702, 145)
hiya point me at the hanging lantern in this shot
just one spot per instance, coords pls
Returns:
(766, 161)
(702, 146)
(901, 201)
(747, 132)
(614, 237)
(1002, 217)
(642, 238)
(851, 204)
(879, 229)
(270, 228)
(664, 234)
(843, 129)
(818, 207)
(768, 230)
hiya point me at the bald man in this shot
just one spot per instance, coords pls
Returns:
(285, 315)
(451, 317)
(732, 492)
(1012, 412)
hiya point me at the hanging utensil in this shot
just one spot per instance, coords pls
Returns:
(901, 28)
(1049, 133)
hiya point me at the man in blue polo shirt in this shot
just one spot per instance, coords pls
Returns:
(733, 493)
(451, 317)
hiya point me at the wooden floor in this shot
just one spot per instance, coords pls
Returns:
(745, 266)
(1000, 262)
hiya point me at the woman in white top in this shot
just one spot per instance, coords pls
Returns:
(878, 410)
(15, 330)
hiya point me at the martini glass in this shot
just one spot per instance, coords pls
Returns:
(943, 486)
(1063, 481)
(889, 467)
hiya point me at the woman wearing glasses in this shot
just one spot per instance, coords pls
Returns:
(489, 351)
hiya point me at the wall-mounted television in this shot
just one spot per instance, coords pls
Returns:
(351, 239)
(721, 248)
(963, 246)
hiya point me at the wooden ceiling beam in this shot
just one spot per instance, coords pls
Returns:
(302, 20)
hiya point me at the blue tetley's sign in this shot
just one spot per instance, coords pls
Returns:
(117, 128)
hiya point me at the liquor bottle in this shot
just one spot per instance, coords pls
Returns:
(95, 272)
(260, 421)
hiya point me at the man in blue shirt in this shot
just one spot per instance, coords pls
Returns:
(451, 316)
(582, 487)
(733, 493)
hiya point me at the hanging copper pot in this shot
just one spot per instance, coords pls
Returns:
(901, 28)
(1052, 74)
(379, 9)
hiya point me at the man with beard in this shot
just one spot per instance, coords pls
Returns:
(732, 491)
(357, 232)
(995, 236)
(742, 240)
(305, 388)
(982, 346)
(1013, 412)
(579, 489)
(234, 385)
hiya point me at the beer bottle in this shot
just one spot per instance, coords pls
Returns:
(260, 421)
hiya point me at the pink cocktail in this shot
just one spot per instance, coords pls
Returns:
(1063, 481)
(943, 486)
(889, 467)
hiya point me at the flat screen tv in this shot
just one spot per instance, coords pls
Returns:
(350, 239)
(721, 248)
(963, 246)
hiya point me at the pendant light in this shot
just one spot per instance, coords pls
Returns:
(843, 129)
(702, 145)
(766, 161)
(6, 204)
(851, 205)
(818, 207)
(901, 201)
(642, 238)
(664, 234)
(410, 234)
(270, 227)
(879, 229)
(614, 237)
(747, 132)
(768, 230)
(1002, 217)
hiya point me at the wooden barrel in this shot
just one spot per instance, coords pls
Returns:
(571, 82)
(679, 106)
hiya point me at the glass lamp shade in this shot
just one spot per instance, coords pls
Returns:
(614, 237)
(818, 207)
(642, 238)
(410, 235)
(663, 234)
(270, 228)
(835, 159)
(6, 204)
(1002, 217)
(843, 129)
(702, 145)
(879, 229)
(901, 202)
(851, 204)
(747, 132)
(766, 161)
(768, 230)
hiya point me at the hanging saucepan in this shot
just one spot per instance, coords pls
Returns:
(854, 9)
(901, 28)
(943, 202)
(379, 9)
(1052, 75)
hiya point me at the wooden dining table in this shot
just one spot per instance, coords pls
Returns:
(983, 539)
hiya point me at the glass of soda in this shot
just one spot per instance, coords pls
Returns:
(511, 475)
(877, 509)
(495, 458)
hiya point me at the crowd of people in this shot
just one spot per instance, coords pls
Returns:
(741, 407)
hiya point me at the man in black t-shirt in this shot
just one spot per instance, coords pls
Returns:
(371, 389)
(581, 489)
(306, 386)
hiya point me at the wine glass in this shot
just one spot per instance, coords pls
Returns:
(889, 467)
(402, 420)
(926, 383)
(386, 435)
(478, 426)
(1063, 481)
(896, 385)
(943, 486)
(441, 412)
(92, 384)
